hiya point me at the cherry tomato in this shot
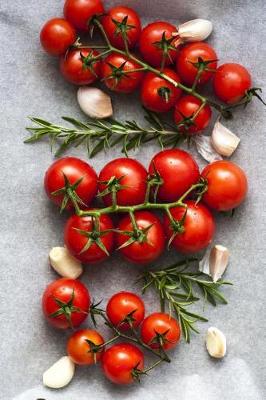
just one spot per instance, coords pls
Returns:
(227, 185)
(80, 12)
(130, 178)
(70, 172)
(120, 361)
(77, 68)
(157, 94)
(190, 55)
(122, 305)
(197, 231)
(177, 171)
(56, 36)
(115, 73)
(160, 326)
(80, 349)
(186, 107)
(231, 82)
(80, 232)
(66, 303)
(122, 19)
(149, 241)
(153, 39)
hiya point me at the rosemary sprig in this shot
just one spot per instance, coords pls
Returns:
(176, 288)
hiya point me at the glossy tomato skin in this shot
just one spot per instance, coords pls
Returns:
(151, 34)
(56, 36)
(121, 305)
(149, 250)
(231, 82)
(74, 69)
(75, 241)
(163, 324)
(134, 26)
(199, 228)
(124, 83)
(131, 174)
(74, 169)
(187, 106)
(119, 361)
(79, 350)
(153, 89)
(190, 54)
(64, 289)
(227, 185)
(177, 170)
(80, 12)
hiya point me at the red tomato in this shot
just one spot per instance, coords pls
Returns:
(165, 326)
(122, 19)
(56, 36)
(186, 107)
(77, 68)
(80, 12)
(130, 176)
(157, 94)
(198, 228)
(120, 361)
(66, 303)
(70, 172)
(77, 241)
(231, 82)
(153, 39)
(79, 348)
(115, 73)
(191, 54)
(177, 171)
(227, 185)
(122, 305)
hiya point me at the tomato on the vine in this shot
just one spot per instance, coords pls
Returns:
(80, 12)
(80, 347)
(226, 185)
(70, 174)
(87, 242)
(119, 22)
(156, 44)
(144, 245)
(56, 36)
(125, 305)
(185, 109)
(120, 361)
(160, 328)
(192, 57)
(66, 303)
(175, 170)
(195, 227)
(231, 82)
(157, 94)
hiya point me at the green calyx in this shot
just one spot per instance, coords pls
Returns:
(122, 27)
(166, 45)
(94, 236)
(66, 309)
(69, 193)
(165, 93)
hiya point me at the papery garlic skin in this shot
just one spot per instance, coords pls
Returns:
(216, 342)
(195, 30)
(64, 263)
(59, 374)
(94, 102)
(205, 148)
(223, 140)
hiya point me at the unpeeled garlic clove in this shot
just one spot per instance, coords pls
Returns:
(195, 30)
(94, 102)
(205, 148)
(216, 342)
(223, 140)
(59, 374)
(215, 262)
(64, 263)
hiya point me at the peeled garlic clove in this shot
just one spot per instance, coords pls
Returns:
(64, 263)
(59, 374)
(195, 30)
(216, 343)
(205, 148)
(223, 140)
(94, 102)
(215, 262)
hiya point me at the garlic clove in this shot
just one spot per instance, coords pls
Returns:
(59, 374)
(205, 149)
(64, 263)
(94, 102)
(195, 30)
(215, 262)
(216, 343)
(223, 140)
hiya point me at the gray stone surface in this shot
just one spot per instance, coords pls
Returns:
(30, 84)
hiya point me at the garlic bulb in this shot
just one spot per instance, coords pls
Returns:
(64, 263)
(223, 140)
(205, 148)
(215, 262)
(195, 30)
(216, 343)
(59, 374)
(94, 102)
